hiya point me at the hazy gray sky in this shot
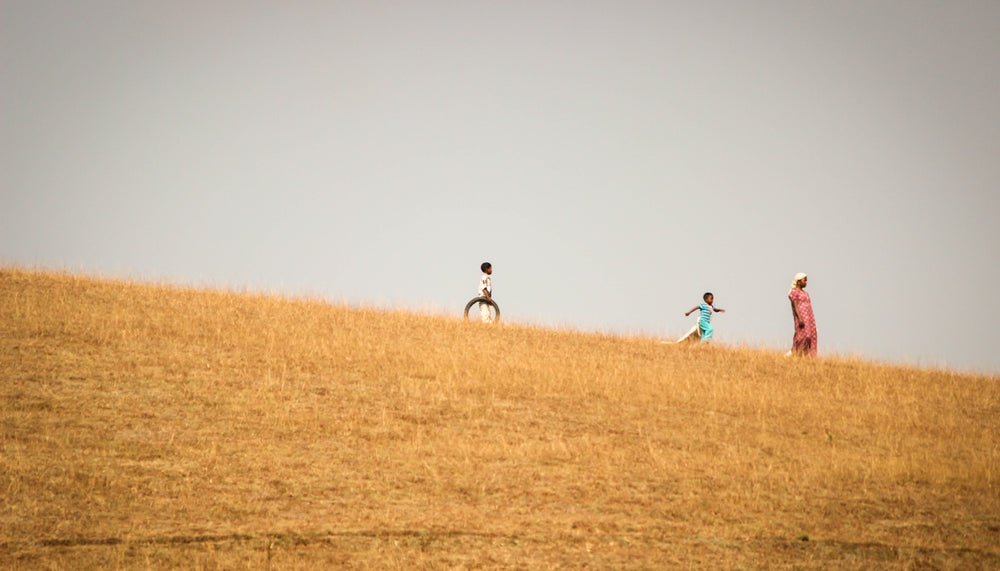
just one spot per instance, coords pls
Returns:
(614, 160)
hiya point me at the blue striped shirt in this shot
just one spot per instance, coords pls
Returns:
(706, 312)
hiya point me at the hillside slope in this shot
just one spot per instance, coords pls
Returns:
(156, 426)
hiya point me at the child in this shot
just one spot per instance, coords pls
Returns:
(486, 290)
(706, 315)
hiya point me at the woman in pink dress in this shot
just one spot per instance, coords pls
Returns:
(805, 340)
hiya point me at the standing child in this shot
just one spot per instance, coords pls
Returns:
(706, 307)
(486, 290)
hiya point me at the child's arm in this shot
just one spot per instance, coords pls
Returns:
(718, 310)
(693, 309)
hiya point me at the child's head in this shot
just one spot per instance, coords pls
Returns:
(708, 297)
(487, 268)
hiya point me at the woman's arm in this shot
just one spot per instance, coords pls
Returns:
(795, 312)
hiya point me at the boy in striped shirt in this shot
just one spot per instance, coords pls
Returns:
(705, 322)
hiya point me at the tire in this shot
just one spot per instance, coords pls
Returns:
(494, 308)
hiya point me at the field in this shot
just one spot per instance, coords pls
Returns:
(155, 426)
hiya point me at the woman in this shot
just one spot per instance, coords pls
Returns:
(805, 340)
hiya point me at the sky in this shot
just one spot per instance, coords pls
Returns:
(613, 160)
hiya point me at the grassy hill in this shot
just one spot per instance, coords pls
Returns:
(156, 426)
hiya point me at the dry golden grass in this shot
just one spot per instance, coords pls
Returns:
(149, 426)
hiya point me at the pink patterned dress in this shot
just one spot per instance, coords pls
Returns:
(805, 340)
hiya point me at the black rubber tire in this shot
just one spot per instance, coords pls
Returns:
(479, 299)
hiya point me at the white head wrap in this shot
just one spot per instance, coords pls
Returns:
(798, 277)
